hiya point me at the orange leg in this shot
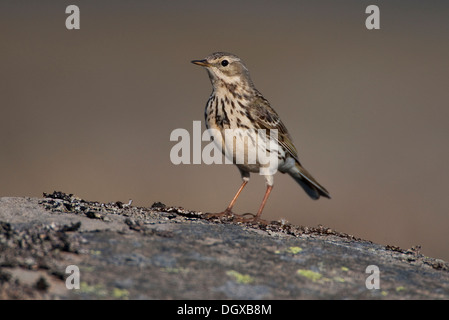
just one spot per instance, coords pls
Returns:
(231, 204)
(262, 205)
(256, 217)
(228, 211)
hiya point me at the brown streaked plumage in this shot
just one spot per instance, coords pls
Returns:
(236, 104)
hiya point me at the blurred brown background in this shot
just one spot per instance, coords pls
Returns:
(90, 111)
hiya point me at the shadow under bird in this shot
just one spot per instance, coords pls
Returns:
(236, 104)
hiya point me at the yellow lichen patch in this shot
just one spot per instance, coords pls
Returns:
(338, 279)
(95, 252)
(120, 293)
(294, 250)
(240, 278)
(175, 270)
(97, 290)
(291, 250)
(312, 275)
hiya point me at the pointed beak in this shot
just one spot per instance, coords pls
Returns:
(202, 63)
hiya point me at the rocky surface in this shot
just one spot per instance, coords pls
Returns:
(162, 252)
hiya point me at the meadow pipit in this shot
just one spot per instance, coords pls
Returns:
(236, 104)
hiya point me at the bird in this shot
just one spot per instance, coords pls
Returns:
(236, 104)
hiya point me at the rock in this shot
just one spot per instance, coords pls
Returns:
(163, 252)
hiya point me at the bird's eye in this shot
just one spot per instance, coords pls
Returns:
(224, 63)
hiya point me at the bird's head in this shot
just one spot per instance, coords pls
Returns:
(225, 67)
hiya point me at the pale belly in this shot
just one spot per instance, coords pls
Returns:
(249, 149)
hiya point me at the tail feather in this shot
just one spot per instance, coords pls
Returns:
(307, 182)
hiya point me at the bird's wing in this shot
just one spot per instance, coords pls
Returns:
(266, 118)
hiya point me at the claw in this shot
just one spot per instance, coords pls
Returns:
(219, 215)
(231, 216)
(253, 219)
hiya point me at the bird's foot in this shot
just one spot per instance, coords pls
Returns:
(253, 219)
(227, 214)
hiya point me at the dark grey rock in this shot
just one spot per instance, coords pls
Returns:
(162, 252)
